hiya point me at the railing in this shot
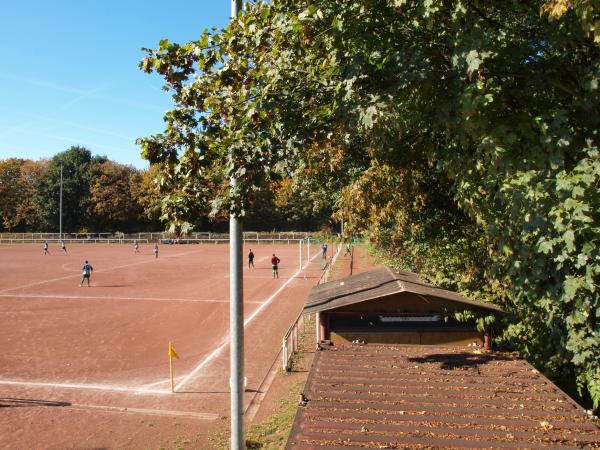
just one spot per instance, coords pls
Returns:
(156, 236)
(4, 240)
(290, 340)
(225, 240)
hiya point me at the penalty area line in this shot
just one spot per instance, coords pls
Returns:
(95, 387)
(91, 297)
(148, 411)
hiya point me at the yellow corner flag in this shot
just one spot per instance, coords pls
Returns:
(172, 353)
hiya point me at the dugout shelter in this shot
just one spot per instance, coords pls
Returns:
(387, 306)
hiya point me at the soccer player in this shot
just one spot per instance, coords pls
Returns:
(156, 250)
(46, 252)
(251, 259)
(274, 265)
(86, 270)
(136, 246)
(324, 248)
(63, 247)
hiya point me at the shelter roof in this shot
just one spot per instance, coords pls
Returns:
(382, 282)
(392, 396)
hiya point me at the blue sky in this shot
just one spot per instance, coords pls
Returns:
(69, 72)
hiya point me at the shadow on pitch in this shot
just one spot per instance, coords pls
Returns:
(202, 392)
(219, 392)
(254, 391)
(110, 285)
(24, 403)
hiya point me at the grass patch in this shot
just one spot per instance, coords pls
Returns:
(273, 434)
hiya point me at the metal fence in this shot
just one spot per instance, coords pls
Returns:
(290, 340)
(159, 236)
(5, 240)
(225, 240)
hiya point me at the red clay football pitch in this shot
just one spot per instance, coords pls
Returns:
(103, 349)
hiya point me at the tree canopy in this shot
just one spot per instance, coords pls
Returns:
(98, 194)
(104, 196)
(79, 168)
(461, 134)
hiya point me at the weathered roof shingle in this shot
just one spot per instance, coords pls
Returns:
(386, 396)
(382, 282)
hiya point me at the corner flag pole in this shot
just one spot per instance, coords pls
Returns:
(171, 366)
(172, 353)
(171, 369)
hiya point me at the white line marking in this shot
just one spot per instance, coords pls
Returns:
(152, 299)
(96, 387)
(145, 389)
(149, 261)
(225, 341)
(152, 412)
(158, 383)
(254, 404)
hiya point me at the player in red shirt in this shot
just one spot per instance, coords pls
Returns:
(274, 263)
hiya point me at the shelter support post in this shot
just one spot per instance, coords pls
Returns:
(318, 326)
(324, 326)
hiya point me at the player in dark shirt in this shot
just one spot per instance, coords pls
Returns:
(86, 270)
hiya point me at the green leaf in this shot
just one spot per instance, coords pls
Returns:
(570, 287)
(545, 246)
(569, 238)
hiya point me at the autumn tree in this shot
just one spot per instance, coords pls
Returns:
(29, 210)
(12, 191)
(112, 197)
(146, 191)
(18, 181)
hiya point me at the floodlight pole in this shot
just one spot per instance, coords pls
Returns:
(60, 204)
(236, 313)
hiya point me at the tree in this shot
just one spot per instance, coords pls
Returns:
(146, 191)
(18, 178)
(492, 98)
(29, 211)
(112, 197)
(587, 10)
(12, 191)
(79, 172)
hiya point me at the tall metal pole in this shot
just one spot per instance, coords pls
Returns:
(60, 205)
(236, 318)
